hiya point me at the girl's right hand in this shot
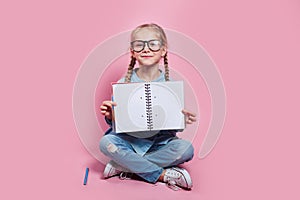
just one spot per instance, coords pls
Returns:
(106, 108)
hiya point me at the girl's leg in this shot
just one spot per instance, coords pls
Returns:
(175, 152)
(122, 153)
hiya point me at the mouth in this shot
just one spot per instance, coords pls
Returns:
(146, 56)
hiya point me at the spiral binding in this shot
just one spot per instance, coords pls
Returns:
(148, 106)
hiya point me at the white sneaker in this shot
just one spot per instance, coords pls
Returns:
(176, 176)
(110, 171)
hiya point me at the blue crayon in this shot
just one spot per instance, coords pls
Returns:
(86, 176)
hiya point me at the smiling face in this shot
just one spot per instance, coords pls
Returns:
(147, 57)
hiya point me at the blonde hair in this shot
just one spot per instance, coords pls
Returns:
(163, 38)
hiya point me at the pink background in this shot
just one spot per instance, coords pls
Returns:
(255, 45)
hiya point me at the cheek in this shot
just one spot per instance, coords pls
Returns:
(132, 54)
(136, 55)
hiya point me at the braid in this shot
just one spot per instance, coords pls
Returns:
(130, 70)
(167, 71)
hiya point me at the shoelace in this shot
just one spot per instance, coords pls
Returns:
(172, 185)
(125, 175)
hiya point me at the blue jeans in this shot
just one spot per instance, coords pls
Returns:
(150, 165)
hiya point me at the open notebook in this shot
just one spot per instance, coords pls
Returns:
(148, 106)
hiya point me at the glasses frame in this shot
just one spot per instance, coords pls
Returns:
(144, 45)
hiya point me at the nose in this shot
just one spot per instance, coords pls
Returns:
(146, 46)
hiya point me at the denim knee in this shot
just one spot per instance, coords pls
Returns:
(189, 152)
(107, 145)
(186, 150)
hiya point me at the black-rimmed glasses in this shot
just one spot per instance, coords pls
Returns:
(139, 45)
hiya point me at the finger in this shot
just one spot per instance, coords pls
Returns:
(184, 111)
(189, 121)
(191, 114)
(103, 112)
(107, 115)
(103, 107)
(109, 103)
(193, 119)
(188, 113)
(106, 103)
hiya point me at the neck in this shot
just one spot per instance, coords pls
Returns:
(148, 73)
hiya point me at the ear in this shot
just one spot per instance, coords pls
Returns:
(164, 51)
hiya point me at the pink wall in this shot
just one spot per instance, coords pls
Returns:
(255, 45)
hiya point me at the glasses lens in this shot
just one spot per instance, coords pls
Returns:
(138, 45)
(154, 45)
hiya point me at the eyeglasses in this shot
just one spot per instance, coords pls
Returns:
(139, 45)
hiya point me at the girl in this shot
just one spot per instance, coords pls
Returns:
(156, 158)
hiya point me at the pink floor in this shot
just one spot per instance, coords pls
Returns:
(255, 45)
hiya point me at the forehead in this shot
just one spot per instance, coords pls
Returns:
(146, 34)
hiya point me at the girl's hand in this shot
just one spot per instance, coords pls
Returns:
(106, 108)
(189, 117)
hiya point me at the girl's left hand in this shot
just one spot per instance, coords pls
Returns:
(189, 116)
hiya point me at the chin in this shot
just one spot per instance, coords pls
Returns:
(149, 63)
